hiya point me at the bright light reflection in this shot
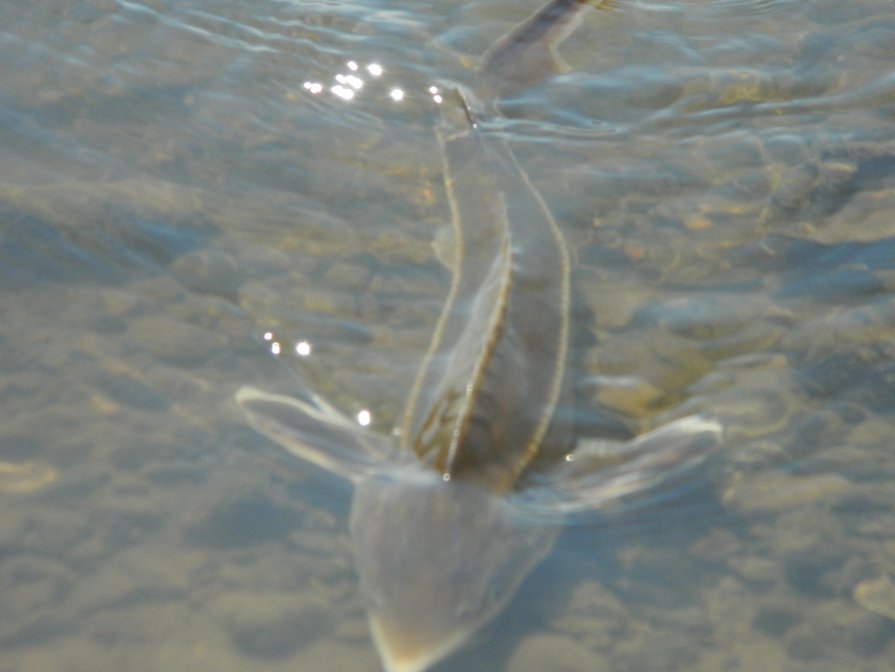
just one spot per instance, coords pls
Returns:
(303, 349)
(353, 81)
(342, 92)
(268, 335)
(275, 348)
(347, 84)
(364, 418)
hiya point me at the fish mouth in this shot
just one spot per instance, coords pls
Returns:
(403, 650)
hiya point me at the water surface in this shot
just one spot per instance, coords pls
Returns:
(178, 200)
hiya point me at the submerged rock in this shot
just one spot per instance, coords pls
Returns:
(877, 595)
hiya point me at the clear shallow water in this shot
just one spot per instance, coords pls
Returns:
(171, 191)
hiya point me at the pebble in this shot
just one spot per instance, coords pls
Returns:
(775, 618)
(173, 341)
(814, 570)
(877, 595)
(555, 653)
(595, 617)
(272, 625)
(756, 570)
(629, 395)
(344, 275)
(23, 477)
(207, 271)
(392, 247)
(121, 303)
(775, 492)
(126, 389)
(328, 655)
(238, 520)
(804, 644)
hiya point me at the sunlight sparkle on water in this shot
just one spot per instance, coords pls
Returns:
(342, 92)
(303, 349)
(353, 81)
(364, 418)
(274, 345)
(348, 85)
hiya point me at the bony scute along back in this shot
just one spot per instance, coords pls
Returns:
(441, 521)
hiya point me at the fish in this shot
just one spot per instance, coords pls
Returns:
(528, 52)
(438, 545)
(453, 510)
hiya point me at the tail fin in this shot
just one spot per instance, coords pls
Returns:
(528, 53)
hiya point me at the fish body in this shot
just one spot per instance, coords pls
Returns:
(487, 389)
(439, 546)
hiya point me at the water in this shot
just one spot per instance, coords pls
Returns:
(175, 203)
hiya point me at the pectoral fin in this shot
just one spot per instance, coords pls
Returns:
(605, 472)
(322, 436)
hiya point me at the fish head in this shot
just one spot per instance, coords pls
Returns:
(437, 561)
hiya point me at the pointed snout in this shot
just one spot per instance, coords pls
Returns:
(411, 649)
